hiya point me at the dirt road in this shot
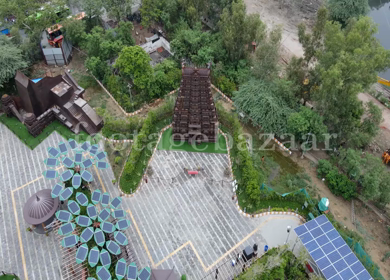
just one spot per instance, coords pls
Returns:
(289, 14)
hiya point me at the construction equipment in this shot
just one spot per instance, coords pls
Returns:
(386, 156)
(383, 81)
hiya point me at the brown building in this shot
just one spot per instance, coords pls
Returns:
(44, 100)
(195, 117)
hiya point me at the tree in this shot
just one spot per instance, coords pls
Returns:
(133, 63)
(11, 60)
(166, 77)
(150, 12)
(304, 122)
(97, 67)
(238, 30)
(118, 9)
(93, 41)
(374, 172)
(92, 8)
(265, 64)
(348, 61)
(368, 129)
(124, 33)
(351, 162)
(343, 10)
(192, 44)
(262, 102)
(74, 30)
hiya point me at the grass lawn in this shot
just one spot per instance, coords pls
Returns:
(22, 133)
(8, 277)
(117, 155)
(168, 144)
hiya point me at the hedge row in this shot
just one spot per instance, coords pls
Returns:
(143, 146)
(338, 183)
(248, 178)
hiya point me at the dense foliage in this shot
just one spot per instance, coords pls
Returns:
(277, 263)
(266, 103)
(143, 146)
(343, 10)
(347, 62)
(11, 60)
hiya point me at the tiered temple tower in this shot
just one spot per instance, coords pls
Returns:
(195, 117)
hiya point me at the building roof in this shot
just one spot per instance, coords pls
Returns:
(40, 207)
(61, 89)
(90, 112)
(187, 71)
(164, 274)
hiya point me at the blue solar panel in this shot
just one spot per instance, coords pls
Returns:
(328, 248)
(340, 265)
(333, 234)
(101, 155)
(344, 250)
(51, 174)
(322, 240)
(144, 275)
(300, 230)
(347, 274)
(68, 162)
(311, 246)
(330, 252)
(131, 272)
(323, 263)
(329, 272)
(51, 162)
(316, 232)
(63, 148)
(78, 157)
(351, 259)
(364, 275)
(357, 267)
(327, 227)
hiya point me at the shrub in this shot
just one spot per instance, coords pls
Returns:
(118, 160)
(324, 167)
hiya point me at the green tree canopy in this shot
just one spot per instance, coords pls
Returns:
(92, 8)
(74, 30)
(11, 60)
(238, 30)
(133, 63)
(124, 33)
(348, 61)
(118, 9)
(263, 103)
(265, 63)
(167, 77)
(304, 122)
(343, 10)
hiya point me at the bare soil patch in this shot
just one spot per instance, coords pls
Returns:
(289, 14)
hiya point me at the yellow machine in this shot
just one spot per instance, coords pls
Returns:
(386, 156)
(383, 81)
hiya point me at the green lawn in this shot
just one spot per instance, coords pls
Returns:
(8, 277)
(166, 143)
(22, 133)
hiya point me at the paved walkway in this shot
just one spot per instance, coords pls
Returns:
(189, 223)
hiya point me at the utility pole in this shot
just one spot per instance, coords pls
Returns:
(131, 97)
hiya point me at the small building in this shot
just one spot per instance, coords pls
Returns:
(195, 116)
(44, 100)
(158, 48)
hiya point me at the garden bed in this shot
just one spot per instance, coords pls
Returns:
(22, 133)
(166, 143)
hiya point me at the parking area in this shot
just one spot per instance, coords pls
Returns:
(189, 223)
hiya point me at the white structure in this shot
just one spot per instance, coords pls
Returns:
(155, 42)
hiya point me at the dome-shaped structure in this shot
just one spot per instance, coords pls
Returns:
(6, 99)
(29, 118)
(40, 207)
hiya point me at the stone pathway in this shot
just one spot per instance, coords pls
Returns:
(190, 223)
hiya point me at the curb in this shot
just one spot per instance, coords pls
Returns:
(269, 213)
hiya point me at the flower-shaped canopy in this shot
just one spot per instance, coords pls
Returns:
(102, 228)
(84, 157)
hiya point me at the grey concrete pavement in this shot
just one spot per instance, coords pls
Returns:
(189, 223)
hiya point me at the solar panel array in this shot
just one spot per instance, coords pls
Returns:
(330, 252)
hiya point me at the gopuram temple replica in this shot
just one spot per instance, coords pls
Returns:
(42, 101)
(195, 117)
